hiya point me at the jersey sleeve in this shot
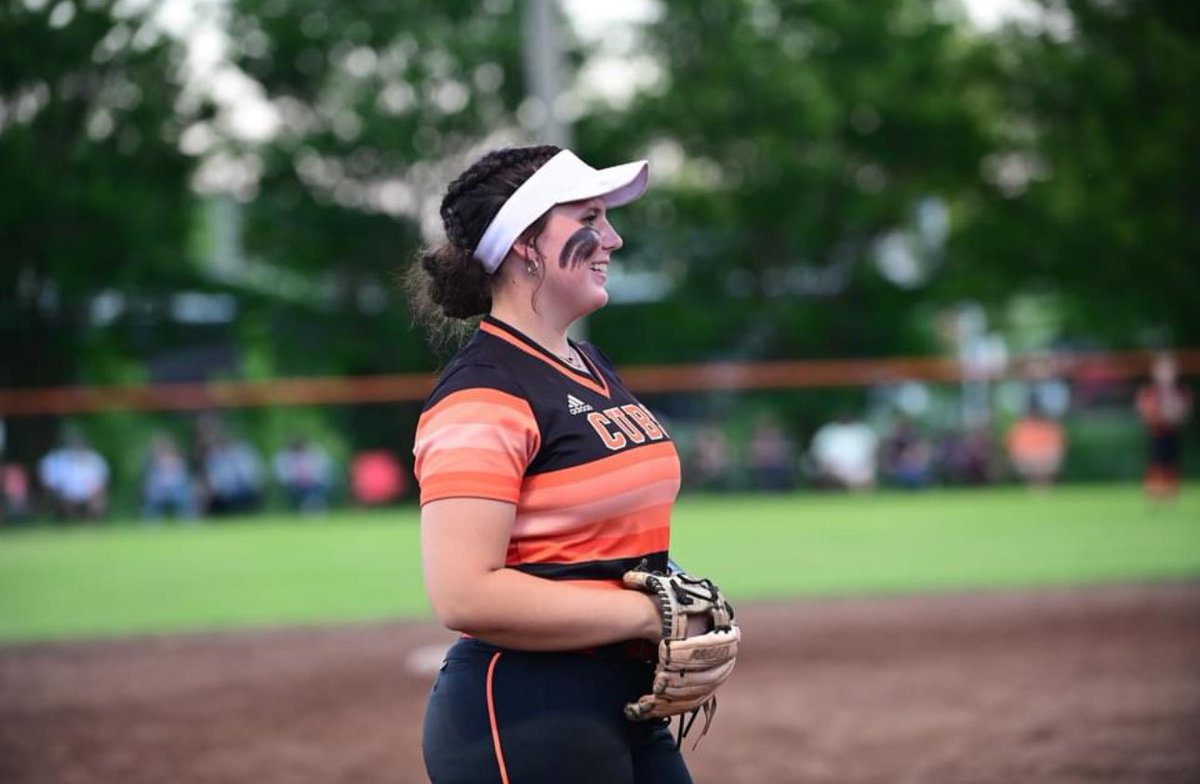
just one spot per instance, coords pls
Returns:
(475, 443)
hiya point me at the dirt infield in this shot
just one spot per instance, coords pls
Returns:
(1097, 685)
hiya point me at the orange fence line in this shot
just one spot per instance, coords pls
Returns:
(643, 379)
(866, 372)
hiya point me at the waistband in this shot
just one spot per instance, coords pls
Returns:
(638, 650)
(632, 650)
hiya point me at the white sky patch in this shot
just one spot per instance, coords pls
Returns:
(592, 19)
(989, 15)
(619, 69)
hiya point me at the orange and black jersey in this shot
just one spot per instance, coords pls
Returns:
(592, 473)
(1163, 410)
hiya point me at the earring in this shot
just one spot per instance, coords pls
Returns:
(531, 267)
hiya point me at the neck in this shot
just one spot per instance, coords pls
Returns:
(542, 330)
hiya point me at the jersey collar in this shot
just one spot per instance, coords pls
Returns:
(506, 332)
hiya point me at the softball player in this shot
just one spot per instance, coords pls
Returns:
(543, 480)
(1164, 407)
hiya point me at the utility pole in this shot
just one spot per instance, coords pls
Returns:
(545, 68)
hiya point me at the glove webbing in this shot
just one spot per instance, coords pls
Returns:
(686, 589)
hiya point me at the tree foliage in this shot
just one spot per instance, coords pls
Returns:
(1095, 195)
(809, 132)
(95, 191)
(372, 96)
(806, 134)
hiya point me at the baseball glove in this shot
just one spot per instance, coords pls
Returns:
(690, 669)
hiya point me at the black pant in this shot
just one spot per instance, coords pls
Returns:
(545, 718)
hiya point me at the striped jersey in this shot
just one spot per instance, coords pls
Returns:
(591, 471)
(1163, 409)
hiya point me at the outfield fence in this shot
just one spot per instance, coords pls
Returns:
(352, 415)
(641, 379)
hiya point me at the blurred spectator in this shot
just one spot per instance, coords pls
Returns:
(905, 456)
(844, 453)
(166, 482)
(966, 458)
(772, 456)
(1098, 382)
(304, 471)
(711, 463)
(1036, 446)
(376, 477)
(75, 478)
(1164, 406)
(231, 473)
(14, 492)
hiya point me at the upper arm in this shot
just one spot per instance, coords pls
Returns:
(462, 539)
(472, 449)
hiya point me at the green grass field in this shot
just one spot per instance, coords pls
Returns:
(123, 579)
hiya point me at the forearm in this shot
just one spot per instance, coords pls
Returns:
(517, 610)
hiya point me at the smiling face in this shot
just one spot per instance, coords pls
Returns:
(576, 246)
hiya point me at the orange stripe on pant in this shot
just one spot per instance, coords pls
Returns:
(491, 703)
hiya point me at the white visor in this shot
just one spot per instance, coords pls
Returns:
(562, 179)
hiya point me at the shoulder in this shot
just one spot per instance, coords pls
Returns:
(476, 368)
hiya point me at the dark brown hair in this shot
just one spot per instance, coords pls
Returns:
(446, 283)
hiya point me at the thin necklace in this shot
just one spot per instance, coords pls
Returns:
(572, 358)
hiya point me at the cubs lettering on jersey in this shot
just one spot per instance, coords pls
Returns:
(620, 426)
(591, 471)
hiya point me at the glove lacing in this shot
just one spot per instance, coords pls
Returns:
(687, 720)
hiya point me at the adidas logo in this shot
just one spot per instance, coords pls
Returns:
(577, 406)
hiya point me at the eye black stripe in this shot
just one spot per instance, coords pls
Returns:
(579, 247)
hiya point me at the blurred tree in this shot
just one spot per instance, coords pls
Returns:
(94, 193)
(814, 149)
(1093, 195)
(809, 155)
(377, 105)
(370, 98)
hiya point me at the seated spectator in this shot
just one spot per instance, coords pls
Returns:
(844, 453)
(711, 464)
(966, 458)
(166, 482)
(376, 478)
(905, 456)
(232, 477)
(1036, 448)
(772, 457)
(304, 471)
(75, 478)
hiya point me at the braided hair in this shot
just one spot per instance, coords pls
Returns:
(447, 283)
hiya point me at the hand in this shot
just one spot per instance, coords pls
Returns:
(698, 650)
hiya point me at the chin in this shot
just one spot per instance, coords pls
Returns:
(598, 301)
(590, 305)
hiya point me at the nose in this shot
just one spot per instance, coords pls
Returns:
(610, 240)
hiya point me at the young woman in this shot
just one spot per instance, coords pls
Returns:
(543, 480)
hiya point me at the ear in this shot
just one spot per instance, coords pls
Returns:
(525, 250)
